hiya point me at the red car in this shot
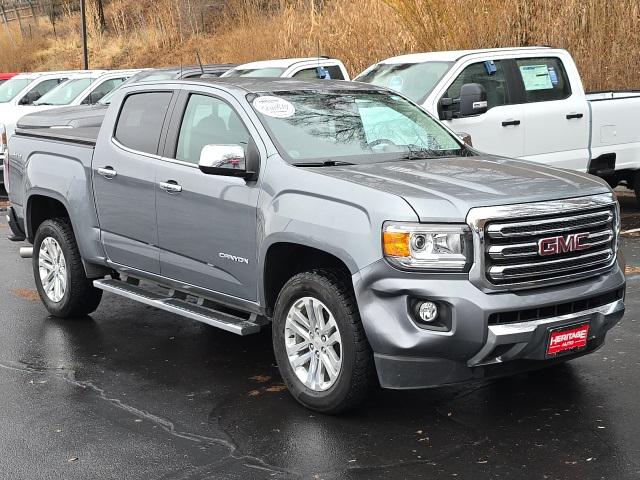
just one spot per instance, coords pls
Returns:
(6, 76)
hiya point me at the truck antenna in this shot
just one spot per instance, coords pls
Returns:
(199, 61)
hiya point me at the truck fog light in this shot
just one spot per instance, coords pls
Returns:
(428, 311)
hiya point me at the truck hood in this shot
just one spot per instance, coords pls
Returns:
(445, 189)
(78, 116)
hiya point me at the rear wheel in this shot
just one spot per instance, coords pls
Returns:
(320, 345)
(59, 274)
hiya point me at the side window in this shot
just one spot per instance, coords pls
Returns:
(488, 74)
(335, 72)
(543, 79)
(312, 73)
(140, 121)
(102, 89)
(306, 74)
(208, 121)
(43, 87)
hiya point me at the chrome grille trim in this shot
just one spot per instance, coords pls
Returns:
(502, 251)
(506, 243)
(591, 220)
(502, 272)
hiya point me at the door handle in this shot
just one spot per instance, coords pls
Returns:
(574, 115)
(170, 187)
(507, 123)
(107, 172)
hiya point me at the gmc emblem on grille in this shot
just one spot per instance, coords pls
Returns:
(570, 243)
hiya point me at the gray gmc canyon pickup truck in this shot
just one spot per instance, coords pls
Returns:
(380, 247)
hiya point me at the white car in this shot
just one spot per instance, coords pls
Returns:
(80, 88)
(300, 68)
(20, 92)
(85, 88)
(534, 107)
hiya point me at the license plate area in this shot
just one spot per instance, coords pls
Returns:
(567, 339)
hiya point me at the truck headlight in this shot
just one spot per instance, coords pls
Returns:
(432, 247)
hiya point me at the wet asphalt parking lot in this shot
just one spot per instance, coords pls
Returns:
(134, 393)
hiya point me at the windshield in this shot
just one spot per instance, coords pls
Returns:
(256, 72)
(413, 80)
(351, 127)
(65, 93)
(138, 77)
(11, 88)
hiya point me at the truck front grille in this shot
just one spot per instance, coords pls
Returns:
(579, 243)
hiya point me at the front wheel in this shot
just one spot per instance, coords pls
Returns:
(320, 345)
(59, 274)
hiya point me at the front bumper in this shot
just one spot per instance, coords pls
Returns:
(408, 355)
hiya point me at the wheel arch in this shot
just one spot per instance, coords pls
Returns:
(284, 259)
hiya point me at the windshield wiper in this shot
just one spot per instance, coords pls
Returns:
(326, 163)
(418, 153)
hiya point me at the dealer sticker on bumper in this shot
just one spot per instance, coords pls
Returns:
(572, 338)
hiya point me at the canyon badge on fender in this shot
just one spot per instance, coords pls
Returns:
(233, 258)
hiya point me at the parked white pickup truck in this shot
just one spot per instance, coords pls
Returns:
(535, 107)
(299, 68)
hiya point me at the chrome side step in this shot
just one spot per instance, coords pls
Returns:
(175, 303)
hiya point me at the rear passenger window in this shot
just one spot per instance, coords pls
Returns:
(208, 121)
(488, 74)
(140, 122)
(543, 79)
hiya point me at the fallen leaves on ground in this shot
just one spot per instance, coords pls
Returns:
(276, 388)
(632, 269)
(26, 293)
(260, 378)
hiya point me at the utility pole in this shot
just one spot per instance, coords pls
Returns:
(85, 50)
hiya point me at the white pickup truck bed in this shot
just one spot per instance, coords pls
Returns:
(614, 126)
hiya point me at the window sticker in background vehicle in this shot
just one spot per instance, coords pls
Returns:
(274, 107)
(553, 76)
(396, 83)
(536, 77)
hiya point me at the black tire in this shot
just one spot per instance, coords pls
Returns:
(81, 297)
(357, 376)
(636, 186)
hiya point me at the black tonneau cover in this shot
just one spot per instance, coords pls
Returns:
(80, 135)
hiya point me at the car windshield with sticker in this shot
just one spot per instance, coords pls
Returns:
(351, 127)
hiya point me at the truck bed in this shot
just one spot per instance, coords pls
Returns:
(80, 135)
(614, 127)
(612, 95)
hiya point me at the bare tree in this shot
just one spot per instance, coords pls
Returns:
(101, 22)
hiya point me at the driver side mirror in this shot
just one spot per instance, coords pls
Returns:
(229, 161)
(473, 100)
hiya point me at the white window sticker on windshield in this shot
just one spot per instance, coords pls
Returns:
(536, 77)
(274, 107)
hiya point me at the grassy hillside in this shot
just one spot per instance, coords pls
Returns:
(603, 36)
